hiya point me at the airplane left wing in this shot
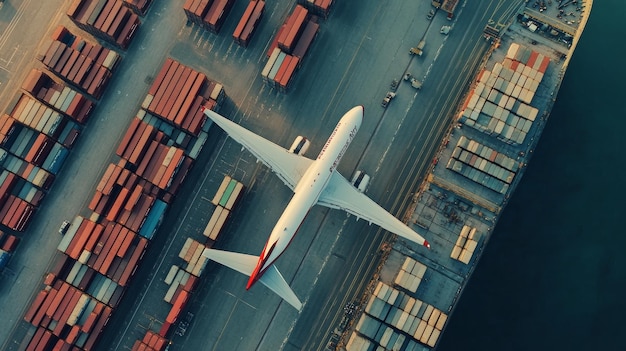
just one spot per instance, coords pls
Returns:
(341, 194)
(288, 167)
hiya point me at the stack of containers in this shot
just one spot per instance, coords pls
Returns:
(177, 137)
(33, 146)
(151, 342)
(139, 6)
(109, 248)
(483, 165)
(288, 48)
(317, 7)
(178, 279)
(15, 167)
(44, 119)
(85, 65)
(122, 197)
(499, 104)
(8, 244)
(148, 156)
(58, 96)
(191, 253)
(210, 14)
(410, 274)
(178, 95)
(86, 280)
(251, 16)
(19, 196)
(228, 193)
(395, 320)
(66, 316)
(465, 245)
(108, 20)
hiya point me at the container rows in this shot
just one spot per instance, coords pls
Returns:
(208, 14)
(499, 104)
(396, 320)
(289, 47)
(101, 252)
(110, 20)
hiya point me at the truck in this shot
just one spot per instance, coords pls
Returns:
(414, 82)
(419, 49)
(388, 97)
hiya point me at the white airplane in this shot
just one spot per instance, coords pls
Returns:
(312, 182)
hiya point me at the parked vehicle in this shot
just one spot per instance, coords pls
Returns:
(388, 97)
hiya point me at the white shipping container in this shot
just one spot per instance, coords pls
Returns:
(415, 283)
(186, 246)
(441, 321)
(212, 221)
(415, 311)
(384, 340)
(392, 296)
(80, 275)
(402, 318)
(169, 278)
(69, 235)
(434, 317)
(399, 277)
(465, 256)
(78, 309)
(73, 272)
(111, 59)
(170, 292)
(84, 257)
(220, 223)
(456, 251)
(196, 255)
(427, 332)
(377, 289)
(470, 245)
(429, 310)
(199, 268)
(432, 340)
(420, 330)
(408, 264)
(109, 292)
(512, 51)
(270, 63)
(68, 100)
(460, 241)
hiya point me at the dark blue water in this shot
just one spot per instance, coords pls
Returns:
(553, 276)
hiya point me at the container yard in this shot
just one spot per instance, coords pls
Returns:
(172, 187)
(87, 66)
(101, 252)
(110, 20)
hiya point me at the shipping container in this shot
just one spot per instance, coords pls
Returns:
(248, 22)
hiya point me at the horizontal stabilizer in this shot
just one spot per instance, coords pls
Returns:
(275, 282)
(244, 263)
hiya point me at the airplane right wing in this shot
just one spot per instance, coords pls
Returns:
(341, 194)
(288, 167)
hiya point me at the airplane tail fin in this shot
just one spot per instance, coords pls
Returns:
(244, 263)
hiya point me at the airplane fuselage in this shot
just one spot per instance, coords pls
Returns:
(308, 190)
